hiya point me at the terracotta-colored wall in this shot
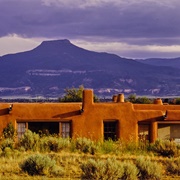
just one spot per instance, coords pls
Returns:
(154, 113)
(88, 122)
(172, 115)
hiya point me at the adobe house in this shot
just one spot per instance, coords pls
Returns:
(98, 121)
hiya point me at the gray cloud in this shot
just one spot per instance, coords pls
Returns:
(142, 22)
(35, 18)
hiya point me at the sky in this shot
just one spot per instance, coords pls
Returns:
(128, 28)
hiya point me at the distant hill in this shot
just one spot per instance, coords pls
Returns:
(175, 62)
(55, 65)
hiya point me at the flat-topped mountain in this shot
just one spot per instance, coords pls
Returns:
(55, 65)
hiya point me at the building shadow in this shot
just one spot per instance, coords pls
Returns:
(68, 114)
(4, 111)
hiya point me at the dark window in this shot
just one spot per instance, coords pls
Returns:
(46, 128)
(110, 130)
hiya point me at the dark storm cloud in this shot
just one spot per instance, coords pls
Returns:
(134, 22)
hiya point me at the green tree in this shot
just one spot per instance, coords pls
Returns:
(131, 98)
(75, 95)
(140, 100)
(177, 100)
(143, 100)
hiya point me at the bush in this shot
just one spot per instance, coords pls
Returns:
(166, 148)
(130, 147)
(148, 169)
(38, 165)
(9, 131)
(85, 145)
(109, 146)
(50, 143)
(7, 152)
(7, 143)
(173, 166)
(130, 171)
(30, 141)
(98, 169)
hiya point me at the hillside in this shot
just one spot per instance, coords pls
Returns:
(55, 65)
(174, 62)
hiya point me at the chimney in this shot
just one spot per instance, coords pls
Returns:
(120, 98)
(114, 98)
(158, 101)
(87, 98)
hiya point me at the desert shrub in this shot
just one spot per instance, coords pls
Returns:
(57, 171)
(129, 147)
(8, 142)
(7, 152)
(10, 153)
(99, 169)
(148, 169)
(9, 131)
(30, 141)
(85, 145)
(130, 171)
(110, 146)
(38, 165)
(173, 166)
(48, 143)
(166, 148)
(51, 143)
(134, 148)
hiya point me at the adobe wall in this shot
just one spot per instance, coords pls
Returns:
(22, 112)
(87, 117)
(158, 112)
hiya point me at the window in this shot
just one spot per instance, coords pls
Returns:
(45, 128)
(65, 129)
(110, 130)
(143, 132)
(169, 131)
(21, 128)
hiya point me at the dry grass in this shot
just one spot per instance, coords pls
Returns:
(9, 166)
(70, 155)
(70, 162)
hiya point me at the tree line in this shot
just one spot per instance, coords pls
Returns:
(76, 95)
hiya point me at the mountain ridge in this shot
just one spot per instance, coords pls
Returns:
(170, 62)
(57, 64)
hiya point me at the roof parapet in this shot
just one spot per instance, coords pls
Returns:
(118, 98)
(114, 98)
(158, 101)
